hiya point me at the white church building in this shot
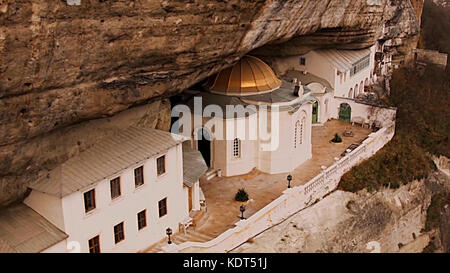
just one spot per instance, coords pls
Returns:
(252, 101)
(311, 89)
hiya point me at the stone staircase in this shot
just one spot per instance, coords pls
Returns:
(179, 238)
(211, 173)
(200, 218)
(191, 236)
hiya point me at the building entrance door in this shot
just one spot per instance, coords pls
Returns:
(315, 112)
(345, 112)
(204, 145)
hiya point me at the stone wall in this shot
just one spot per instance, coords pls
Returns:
(369, 112)
(22, 162)
(62, 65)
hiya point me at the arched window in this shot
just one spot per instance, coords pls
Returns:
(350, 93)
(236, 148)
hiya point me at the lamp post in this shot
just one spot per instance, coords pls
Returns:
(242, 209)
(169, 232)
(289, 178)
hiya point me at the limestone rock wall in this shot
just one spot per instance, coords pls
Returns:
(385, 221)
(23, 161)
(62, 65)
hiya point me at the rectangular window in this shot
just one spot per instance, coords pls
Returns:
(139, 176)
(162, 205)
(119, 234)
(94, 244)
(115, 187)
(142, 220)
(161, 165)
(302, 61)
(360, 65)
(89, 200)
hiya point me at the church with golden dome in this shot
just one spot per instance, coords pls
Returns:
(246, 117)
(251, 119)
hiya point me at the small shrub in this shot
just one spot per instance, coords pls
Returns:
(337, 138)
(241, 196)
(400, 161)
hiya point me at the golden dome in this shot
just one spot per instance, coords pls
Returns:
(247, 77)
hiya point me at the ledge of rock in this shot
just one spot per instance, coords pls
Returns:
(64, 65)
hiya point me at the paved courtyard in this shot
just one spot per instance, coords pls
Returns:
(263, 188)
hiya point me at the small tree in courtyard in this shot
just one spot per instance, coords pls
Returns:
(241, 196)
(337, 138)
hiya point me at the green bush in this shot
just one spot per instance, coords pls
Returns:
(422, 129)
(241, 196)
(399, 162)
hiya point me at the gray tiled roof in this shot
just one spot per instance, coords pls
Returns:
(194, 165)
(222, 101)
(342, 59)
(23, 230)
(107, 158)
(283, 94)
(280, 95)
(307, 78)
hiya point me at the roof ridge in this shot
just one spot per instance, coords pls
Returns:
(111, 155)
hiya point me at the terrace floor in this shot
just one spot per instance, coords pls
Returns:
(223, 211)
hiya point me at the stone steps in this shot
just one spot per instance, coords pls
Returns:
(210, 174)
(193, 236)
(200, 218)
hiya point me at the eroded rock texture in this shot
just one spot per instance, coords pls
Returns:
(384, 221)
(64, 65)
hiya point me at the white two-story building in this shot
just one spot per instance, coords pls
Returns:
(347, 71)
(336, 77)
(118, 196)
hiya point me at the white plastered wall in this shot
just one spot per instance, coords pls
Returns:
(60, 247)
(369, 113)
(322, 67)
(50, 207)
(81, 226)
(286, 158)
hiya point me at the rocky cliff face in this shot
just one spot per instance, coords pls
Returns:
(385, 221)
(62, 65)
